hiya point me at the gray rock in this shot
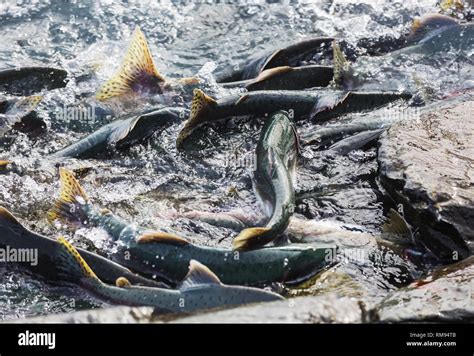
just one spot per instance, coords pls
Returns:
(320, 309)
(427, 165)
(110, 315)
(328, 308)
(445, 296)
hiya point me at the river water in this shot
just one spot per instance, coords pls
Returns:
(152, 183)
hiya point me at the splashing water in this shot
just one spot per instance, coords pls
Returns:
(151, 184)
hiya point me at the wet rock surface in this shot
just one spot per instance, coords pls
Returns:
(427, 165)
(328, 308)
(321, 309)
(445, 296)
(94, 316)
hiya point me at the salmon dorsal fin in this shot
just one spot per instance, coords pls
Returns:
(249, 238)
(343, 72)
(138, 62)
(201, 102)
(24, 106)
(428, 24)
(271, 73)
(162, 237)
(198, 274)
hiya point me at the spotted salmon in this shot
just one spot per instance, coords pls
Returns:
(15, 235)
(167, 255)
(122, 133)
(201, 288)
(317, 105)
(274, 180)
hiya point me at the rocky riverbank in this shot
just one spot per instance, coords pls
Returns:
(427, 165)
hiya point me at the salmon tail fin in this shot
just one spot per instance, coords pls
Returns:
(251, 238)
(72, 201)
(200, 104)
(137, 66)
(426, 25)
(24, 105)
(457, 5)
(343, 72)
(396, 224)
(22, 108)
(4, 164)
(71, 264)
